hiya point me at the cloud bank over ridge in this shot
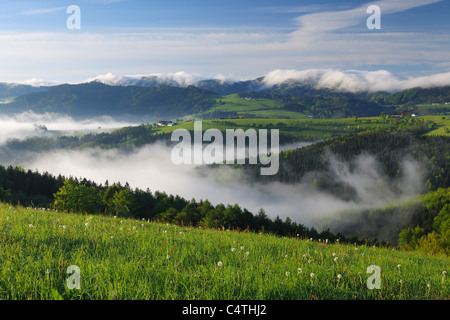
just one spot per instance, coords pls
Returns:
(353, 81)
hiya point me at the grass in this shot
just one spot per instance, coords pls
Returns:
(443, 125)
(132, 259)
(300, 129)
(260, 108)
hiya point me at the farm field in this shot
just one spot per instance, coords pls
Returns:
(122, 258)
(310, 128)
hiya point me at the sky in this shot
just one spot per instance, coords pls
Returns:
(239, 39)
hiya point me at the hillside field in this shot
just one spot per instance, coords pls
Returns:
(122, 258)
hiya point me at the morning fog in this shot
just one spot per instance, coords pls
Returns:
(216, 152)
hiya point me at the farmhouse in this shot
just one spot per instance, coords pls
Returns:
(164, 123)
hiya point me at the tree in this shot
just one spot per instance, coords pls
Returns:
(77, 197)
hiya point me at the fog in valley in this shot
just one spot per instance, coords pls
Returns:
(151, 167)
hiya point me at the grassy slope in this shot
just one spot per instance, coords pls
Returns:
(307, 129)
(261, 108)
(130, 259)
(441, 125)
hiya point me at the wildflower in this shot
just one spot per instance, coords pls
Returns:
(399, 265)
(242, 248)
(335, 259)
(247, 253)
(30, 225)
(233, 249)
(47, 271)
(86, 224)
(339, 276)
(299, 270)
(444, 273)
(181, 232)
(167, 257)
(333, 254)
(64, 227)
(219, 264)
(165, 231)
(134, 228)
(428, 285)
(312, 275)
(309, 261)
(287, 273)
(286, 256)
(111, 237)
(115, 217)
(142, 224)
(401, 281)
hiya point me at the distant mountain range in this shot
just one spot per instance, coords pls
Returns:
(158, 97)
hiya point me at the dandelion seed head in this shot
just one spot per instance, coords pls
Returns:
(219, 264)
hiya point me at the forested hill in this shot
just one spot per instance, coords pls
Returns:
(415, 96)
(390, 149)
(94, 99)
(157, 101)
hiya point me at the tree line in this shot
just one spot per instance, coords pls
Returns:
(78, 195)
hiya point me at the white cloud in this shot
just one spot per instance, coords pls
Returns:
(335, 20)
(354, 80)
(42, 10)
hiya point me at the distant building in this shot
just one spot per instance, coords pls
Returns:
(164, 123)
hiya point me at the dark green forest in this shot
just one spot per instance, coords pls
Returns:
(29, 188)
(94, 98)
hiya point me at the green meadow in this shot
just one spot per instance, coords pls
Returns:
(122, 258)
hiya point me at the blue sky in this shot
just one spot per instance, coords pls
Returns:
(242, 39)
